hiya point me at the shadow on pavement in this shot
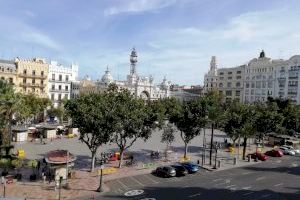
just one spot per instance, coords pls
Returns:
(289, 170)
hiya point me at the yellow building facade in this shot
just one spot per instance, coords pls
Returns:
(32, 77)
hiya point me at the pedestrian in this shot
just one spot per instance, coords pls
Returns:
(38, 166)
(131, 159)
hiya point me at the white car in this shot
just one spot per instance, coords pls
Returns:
(287, 151)
(297, 151)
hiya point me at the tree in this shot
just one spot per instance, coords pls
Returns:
(268, 119)
(94, 116)
(10, 103)
(189, 118)
(168, 136)
(135, 119)
(215, 115)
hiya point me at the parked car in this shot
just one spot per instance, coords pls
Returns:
(180, 170)
(287, 151)
(297, 151)
(259, 156)
(165, 171)
(190, 167)
(274, 153)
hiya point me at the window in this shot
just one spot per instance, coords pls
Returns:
(33, 81)
(228, 93)
(42, 73)
(252, 92)
(24, 71)
(59, 97)
(252, 85)
(60, 77)
(221, 73)
(42, 82)
(24, 80)
(247, 85)
(221, 78)
(66, 96)
(53, 77)
(2, 78)
(237, 93)
(67, 77)
(239, 72)
(270, 84)
(220, 85)
(229, 84)
(238, 84)
(53, 87)
(10, 80)
(66, 88)
(229, 78)
(59, 87)
(52, 97)
(238, 77)
(24, 89)
(33, 72)
(33, 89)
(229, 72)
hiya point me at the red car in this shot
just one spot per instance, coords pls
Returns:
(274, 153)
(260, 156)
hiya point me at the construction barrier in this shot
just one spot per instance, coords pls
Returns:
(149, 165)
(183, 159)
(106, 171)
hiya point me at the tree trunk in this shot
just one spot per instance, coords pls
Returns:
(211, 143)
(185, 149)
(244, 148)
(121, 157)
(93, 161)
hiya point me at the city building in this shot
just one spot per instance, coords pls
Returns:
(8, 71)
(185, 93)
(257, 80)
(139, 86)
(32, 77)
(60, 81)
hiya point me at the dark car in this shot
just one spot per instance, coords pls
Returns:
(190, 167)
(180, 170)
(165, 171)
(274, 153)
(259, 156)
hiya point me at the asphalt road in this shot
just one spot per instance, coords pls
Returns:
(275, 179)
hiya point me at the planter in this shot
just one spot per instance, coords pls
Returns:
(32, 177)
(18, 177)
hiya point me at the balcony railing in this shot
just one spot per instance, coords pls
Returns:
(58, 90)
(32, 85)
(59, 81)
(33, 76)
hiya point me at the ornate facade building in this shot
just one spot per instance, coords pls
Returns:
(8, 71)
(257, 80)
(139, 86)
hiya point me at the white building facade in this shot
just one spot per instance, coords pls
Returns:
(140, 86)
(257, 80)
(60, 82)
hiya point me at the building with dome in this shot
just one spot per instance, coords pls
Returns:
(256, 80)
(139, 86)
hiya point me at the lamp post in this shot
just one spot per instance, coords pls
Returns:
(100, 189)
(59, 189)
(67, 168)
(3, 180)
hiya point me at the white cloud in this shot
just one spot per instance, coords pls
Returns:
(185, 53)
(136, 6)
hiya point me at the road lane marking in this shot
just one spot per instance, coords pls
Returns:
(123, 185)
(220, 184)
(247, 188)
(194, 195)
(248, 193)
(279, 184)
(218, 179)
(135, 180)
(245, 173)
(151, 179)
(229, 186)
(260, 178)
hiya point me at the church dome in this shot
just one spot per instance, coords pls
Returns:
(165, 85)
(107, 78)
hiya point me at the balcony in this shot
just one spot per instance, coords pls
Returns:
(60, 91)
(33, 76)
(32, 85)
(59, 81)
(292, 93)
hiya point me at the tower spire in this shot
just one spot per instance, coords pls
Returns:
(133, 61)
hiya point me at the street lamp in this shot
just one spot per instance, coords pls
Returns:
(100, 189)
(59, 191)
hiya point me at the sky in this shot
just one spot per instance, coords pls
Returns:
(173, 38)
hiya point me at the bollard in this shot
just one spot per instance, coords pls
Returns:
(219, 163)
(249, 158)
(234, 160)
